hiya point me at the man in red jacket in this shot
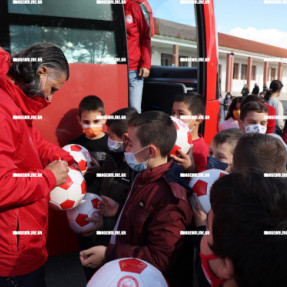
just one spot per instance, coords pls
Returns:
(25, 89)
(139, 51)
(157, 210)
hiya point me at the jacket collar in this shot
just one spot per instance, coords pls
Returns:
(150, 175)
(28, 106)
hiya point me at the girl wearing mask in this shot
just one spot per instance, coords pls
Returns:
(232, 117)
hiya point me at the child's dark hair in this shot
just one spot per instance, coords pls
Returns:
(251, 98)
(194, 101)
(261, 152)
(230, 136)
(120, 126)
(244, 208)
(275, 86)
(155, 127)
(252, 106)
(91, 103)
(232, 107)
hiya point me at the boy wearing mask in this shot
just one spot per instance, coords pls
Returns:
(192, 105)
(156, 209)
(93, 137)
(222, 148)
(253, 118)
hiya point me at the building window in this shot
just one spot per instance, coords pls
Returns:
(166, 59)
(243, 72)
(253, 73)
(182, 63)
(195, 64)
(235, 71)
(273, 74)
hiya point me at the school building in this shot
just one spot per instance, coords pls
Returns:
(240, 61)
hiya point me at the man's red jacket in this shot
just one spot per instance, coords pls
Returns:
(138, 35)
(23, 200)
(154, 216)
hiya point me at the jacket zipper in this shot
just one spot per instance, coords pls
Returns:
(17, 229)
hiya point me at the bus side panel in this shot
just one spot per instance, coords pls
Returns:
(211, 124)
(212, 105)
(211, 52)
(59, 125)
(109, 82)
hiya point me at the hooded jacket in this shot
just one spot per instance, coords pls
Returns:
(138, 35)
(23, 200)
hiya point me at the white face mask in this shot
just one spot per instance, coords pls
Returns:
(115, 146)
(132, 162)
(259, 129)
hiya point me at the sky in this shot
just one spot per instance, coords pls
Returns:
(249, 19)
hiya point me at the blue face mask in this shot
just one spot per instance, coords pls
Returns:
(213, 162)
(132, 162)
(115, 146)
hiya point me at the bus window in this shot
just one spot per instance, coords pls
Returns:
(94, 42)
(184, 58)
(65, 8)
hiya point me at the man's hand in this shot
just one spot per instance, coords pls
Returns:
(99, 223)
(95, 167)
(60, 170)
(108, 207)
(144, 72)
(200, 216)
(93, 257)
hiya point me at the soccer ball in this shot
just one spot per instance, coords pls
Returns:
(87, 208)
(201, 186)
(128, 272)
(69, 194)
(81, 155)
(183, 139)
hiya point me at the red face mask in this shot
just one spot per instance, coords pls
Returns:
(211, 278)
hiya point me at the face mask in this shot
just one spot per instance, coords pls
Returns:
(259, 129)
(132, 162)
(115, 145)
(236, 114)
(211, 278)
(91, 131)
(213, 162)
(187, 124)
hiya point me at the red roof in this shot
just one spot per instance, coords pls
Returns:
(182, 31)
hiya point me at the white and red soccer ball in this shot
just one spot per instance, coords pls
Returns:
(128, 272)
(69, 194)
(87, 208)
(201, 186)
(81, 155)
(183, 139)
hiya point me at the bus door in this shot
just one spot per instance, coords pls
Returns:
(184, 58)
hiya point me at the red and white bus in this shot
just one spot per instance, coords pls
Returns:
(93, 38)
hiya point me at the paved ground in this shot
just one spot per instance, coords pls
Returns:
(65, 270)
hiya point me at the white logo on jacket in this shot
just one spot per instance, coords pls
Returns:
(129, 19)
